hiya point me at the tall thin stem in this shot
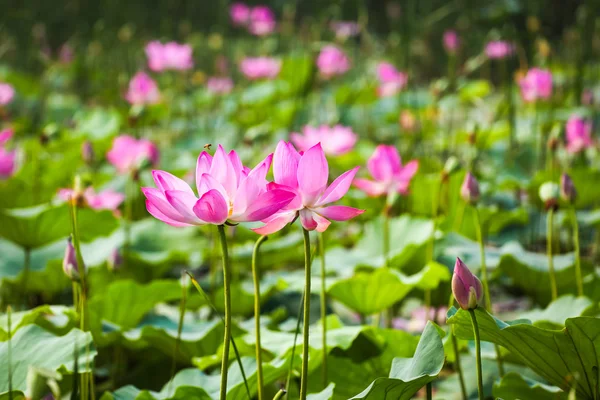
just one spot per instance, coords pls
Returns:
(386, 236)
(306, 318)
(323, 307)
(429, 390)
(550, 223)
(25, 277)
(227, 295)
(9, 355)
(256, 279)
(457, 366)
(478, 354)
(578, 276)
(128, 217)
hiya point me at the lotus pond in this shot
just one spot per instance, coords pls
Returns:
(300, 200)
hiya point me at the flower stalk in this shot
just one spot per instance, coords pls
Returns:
(549, 230)
(227, 296)
(477, 353)
(256, 279)
(306, 317)
(323, 307)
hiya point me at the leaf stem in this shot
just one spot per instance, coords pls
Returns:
(306, 317)
(323, 307)
(227, 295)
(429, 389)
(256, 279)
(478, 353)
(550, 223)
(9, 356)
(578, 276)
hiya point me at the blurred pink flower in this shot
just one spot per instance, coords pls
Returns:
(336, 140)
(306, 176)
(227, 192)
(260, 67)
(7, 157)
(537, 84)
(105, 200)
(451, 41)
(142, 90)
(498, 49)
(262, 21)
(418, 319)
(7, 92)
(578, 134)
(130, 154)
(219, 85)
(239, 13)
(66, 54)
(332, 62)
(391, 81)
(6, 135)
(169, 56)
(345, 29)
(385, 166)
(469, 190)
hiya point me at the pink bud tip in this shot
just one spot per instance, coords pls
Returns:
(466, 287)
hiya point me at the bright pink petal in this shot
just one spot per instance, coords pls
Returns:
(285, 165)
(156, 213)
(313, 172)
(408, 172)
(183, 203)
(338, 188)
(384, 163)
(208, 182)
(65, 194)
(307, 220)
(158, 200)
(276, 223)
(339, 213)
(267, 204)
(212, 208)
(166, 181)
(322, 223)
(202, 167)
(222, 170)
(236, 163)
(372, 189)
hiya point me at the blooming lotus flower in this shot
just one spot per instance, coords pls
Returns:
(70, 265)
(239, 13)
(335, 141)
(469, 190)
(332, 62)
(498, 49)
(130, 154)
(262, 21)
(390, 79)
(142, 90)
(579, 134)
(227, 192)
(219, 85)
(169, 56)
(567, 189)
(537, 84)
(451, 41)
(345, 29)
(260, 67)
(466, 287)
(105, 200)
(7, 92)
(306, 176)
(385, 166)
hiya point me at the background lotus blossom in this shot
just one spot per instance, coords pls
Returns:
(537, 84)
(391, 81)
(262, 21)
(5, 136)
(129, 154)
(7, 92)
(105, 200)
(239, 13)
(7, 157)
(385, 166)
(578, 134)
(498, 49)
(335, 141)
(219, 85)
(332, 62)
(469, 190)
(306, 176)
(169, 56)
(260, 67)
(451, 41)
(345, 29)
(142, 90)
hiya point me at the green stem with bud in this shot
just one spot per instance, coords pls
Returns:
(477, 353)
(256, 279)
(549, 229)
(227, 296)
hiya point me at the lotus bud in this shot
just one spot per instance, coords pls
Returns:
(87, 152)
(549, 192)
(469, 189)
(567, 189)
(78, 197)
(466, 287)
(115, 260)
(70, 266)
(452, 165)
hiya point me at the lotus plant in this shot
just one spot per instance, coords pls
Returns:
(391, 81)
(7, 93)
(568, 194)
(219, 85)
(536, 85)
(169, 56)
(142, 90)
(332, 62)
(262, 21)
(255, 68)
(578, 134)
(498, 49)
(549, 193)
(105, 200)
(8, 158)
(335, 141)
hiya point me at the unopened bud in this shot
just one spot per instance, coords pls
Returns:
(87, 152)
(549, 192)
(70, 266)
(466, 287)
(115, 260)
(567, 189)
(469, 190)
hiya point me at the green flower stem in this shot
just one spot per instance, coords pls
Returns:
(280, 394)
(128, 217)
(457, 366)
(478, 353)
(386, 236)
(550, 224)
(256, 279)
(429, 389)
(9, 355)
(306, 318)
(578, 276)
(25, 277)
(323, 307)
(227, 294)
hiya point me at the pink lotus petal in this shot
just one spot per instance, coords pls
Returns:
(202, 167)
(285, 165)
(338, 188)
(268, 204)
(159, 201)
(339, 213)
(156, 213)
(307, 220)
(183, 203)
(207, 183)
(212, 208)
(166, 181)
(313, 172)
(322, 223)
(384, 163)
(222, 170)
(276, 223)
(371, 188)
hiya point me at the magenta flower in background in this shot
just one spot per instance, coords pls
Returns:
(66, 54)
(578, 134)
(262, 21)
(239, 13)
(345, 29)
(142, 90)
(385, 166)
(227, 192)
(8, 158)
(498, 49)
(306, 176)
(219, 85)
(537, 84)
(332, 62)
(451, 41)
(169, 56)
(391, 81)
(466, 287)
(5, 136)
(7, 92)
(105, 200)
(336, 140)
(129, 154)
(260, 67)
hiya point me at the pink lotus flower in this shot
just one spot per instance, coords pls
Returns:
(7, 92)
(262, 21)
(130, 154)
(385, 166)
(345, 29)
(227, 192)
(239, 13)
(466, 287)
(451, 41)
(579, 134)
(336, 140)
(5, 136)
(469, 190)
(169, 56)
(260, 67)
(142, 90)
(306, 176)
(537, 84)
(106, 200)
(219, 85)
(390, 79)
(498, 49)
(8, 158)
(332, 62)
